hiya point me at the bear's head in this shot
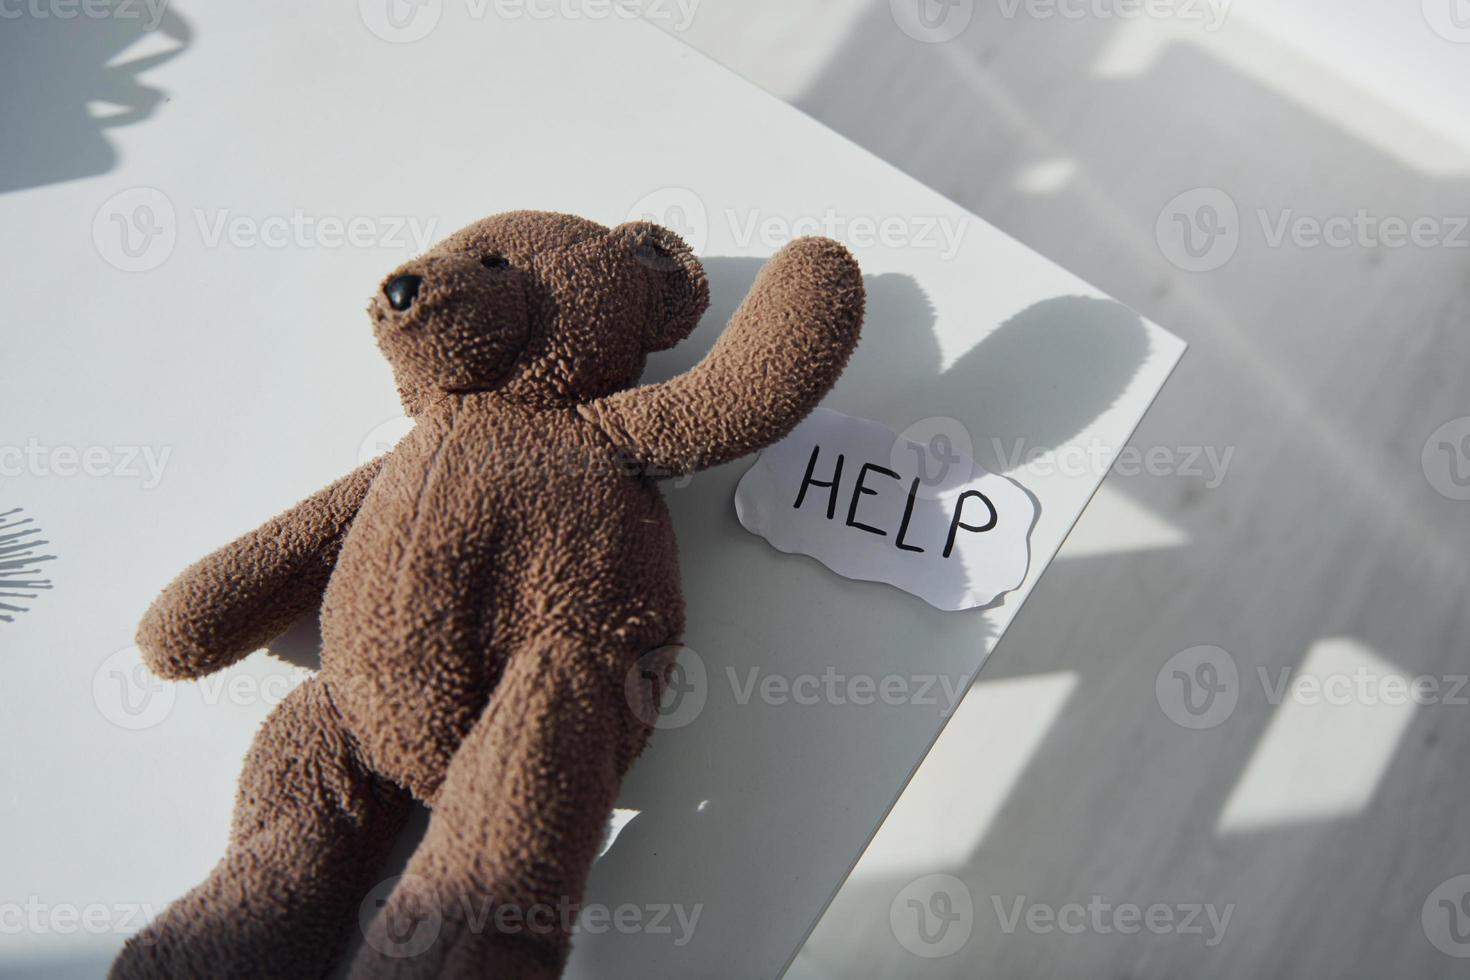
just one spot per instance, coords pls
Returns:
(548, 309)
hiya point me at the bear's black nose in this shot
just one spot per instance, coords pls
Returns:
(401, 290)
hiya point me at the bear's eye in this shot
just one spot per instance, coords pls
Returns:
(495, 261)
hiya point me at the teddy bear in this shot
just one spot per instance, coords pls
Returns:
(486, 590)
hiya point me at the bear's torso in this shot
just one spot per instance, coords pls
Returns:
(489, 526)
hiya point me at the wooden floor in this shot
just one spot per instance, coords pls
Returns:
(1323, 828)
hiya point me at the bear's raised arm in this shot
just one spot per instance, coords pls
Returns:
(244, 595)
(782, 351)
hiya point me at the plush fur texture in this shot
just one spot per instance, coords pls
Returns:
(487, 590)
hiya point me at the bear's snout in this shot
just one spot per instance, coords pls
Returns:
(401, 291)
(451, 323)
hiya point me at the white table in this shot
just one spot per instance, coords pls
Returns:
(245, 356)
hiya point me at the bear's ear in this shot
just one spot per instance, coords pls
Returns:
(680, 292)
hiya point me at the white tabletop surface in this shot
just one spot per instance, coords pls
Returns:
(238, 347)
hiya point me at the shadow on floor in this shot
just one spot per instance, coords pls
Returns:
(1323, 370)
(56, 130)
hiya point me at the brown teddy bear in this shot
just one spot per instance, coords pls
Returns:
(486, 590)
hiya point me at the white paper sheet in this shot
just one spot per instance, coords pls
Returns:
(871, 504)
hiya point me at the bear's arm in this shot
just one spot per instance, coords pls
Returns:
(780, 354)
(237, 599)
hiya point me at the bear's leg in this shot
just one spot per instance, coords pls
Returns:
(311, 826)
(518, 821)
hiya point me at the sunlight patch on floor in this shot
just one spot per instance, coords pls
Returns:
(1330, 740)
(1287, 67)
